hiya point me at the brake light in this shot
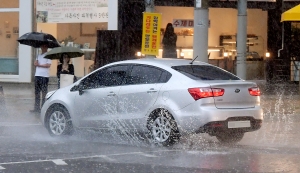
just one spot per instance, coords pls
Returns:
(218, 92)
(198, 93)
(254, 91)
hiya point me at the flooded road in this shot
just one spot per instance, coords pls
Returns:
(26, 146)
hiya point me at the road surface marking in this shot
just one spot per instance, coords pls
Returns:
(147, 155)
(108, 158)
(1, 168)
(59, 162)
(86, 157)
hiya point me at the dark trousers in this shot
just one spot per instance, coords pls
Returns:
(41, 87)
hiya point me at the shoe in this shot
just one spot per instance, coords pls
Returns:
(35, 111)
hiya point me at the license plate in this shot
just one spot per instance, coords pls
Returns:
(238, 124)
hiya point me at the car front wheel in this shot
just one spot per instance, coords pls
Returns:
(58, 122)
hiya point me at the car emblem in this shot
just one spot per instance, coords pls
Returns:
(237, 90)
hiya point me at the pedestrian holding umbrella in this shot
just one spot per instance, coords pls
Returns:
(41, 79)
(65, 71)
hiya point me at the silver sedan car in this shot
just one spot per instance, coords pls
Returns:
(163, 98)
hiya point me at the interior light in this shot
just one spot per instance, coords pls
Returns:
(268, 54)
(181, 54)
(225, 54)
(139, 54)
(213, 50)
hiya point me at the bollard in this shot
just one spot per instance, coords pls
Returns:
(2, 103)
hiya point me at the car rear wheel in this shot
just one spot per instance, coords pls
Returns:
(59, 122)
(163, 129)
(230, 137)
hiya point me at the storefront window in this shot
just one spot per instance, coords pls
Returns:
(9, 33)
(9, 4)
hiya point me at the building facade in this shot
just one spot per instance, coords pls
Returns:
(19, 17)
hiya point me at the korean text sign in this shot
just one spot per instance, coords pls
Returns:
(151, 33)
(71, 11)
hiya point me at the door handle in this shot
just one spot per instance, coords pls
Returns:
(152, 90)
(111, 94)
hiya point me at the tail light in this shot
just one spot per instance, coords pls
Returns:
(198, 93)
(254, 91)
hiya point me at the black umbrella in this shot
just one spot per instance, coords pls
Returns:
(36, 39)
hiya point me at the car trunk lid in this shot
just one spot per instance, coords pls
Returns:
(236, 95)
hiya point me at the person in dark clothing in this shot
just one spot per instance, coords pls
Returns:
(169, 42)
(64, 67)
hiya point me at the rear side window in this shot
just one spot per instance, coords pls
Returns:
(165, 76)
(141, 74)
(205, 72)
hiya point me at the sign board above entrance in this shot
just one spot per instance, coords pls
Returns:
(188, 23)
(183, 23)
(71, 11)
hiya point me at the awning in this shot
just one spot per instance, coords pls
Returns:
(292, 14)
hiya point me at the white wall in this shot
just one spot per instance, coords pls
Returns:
(25, 52)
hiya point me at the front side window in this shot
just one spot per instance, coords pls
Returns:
(205, 72)
(142, 74)
(111, 76)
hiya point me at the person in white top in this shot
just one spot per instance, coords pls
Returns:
(41, 78)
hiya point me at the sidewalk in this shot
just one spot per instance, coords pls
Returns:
(18, 101)
(21, 90)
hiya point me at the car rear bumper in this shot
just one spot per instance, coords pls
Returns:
(207, 118)
(222, 126)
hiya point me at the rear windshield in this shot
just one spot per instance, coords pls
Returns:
(205, 72)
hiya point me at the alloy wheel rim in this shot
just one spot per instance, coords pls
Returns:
(161, 129)
(57, 123)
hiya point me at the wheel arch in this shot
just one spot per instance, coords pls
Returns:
(67, 120)
(48, 112)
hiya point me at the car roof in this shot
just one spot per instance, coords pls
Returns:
(161, 62)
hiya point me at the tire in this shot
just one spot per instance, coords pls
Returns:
(163, 130)
(230, 137)
(58, 122)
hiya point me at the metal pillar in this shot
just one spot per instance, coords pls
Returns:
(241, 66)
(201, 24)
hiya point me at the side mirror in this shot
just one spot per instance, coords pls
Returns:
(80, 91)
(80, 88)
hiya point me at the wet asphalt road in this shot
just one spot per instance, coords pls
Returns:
(25, 146)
